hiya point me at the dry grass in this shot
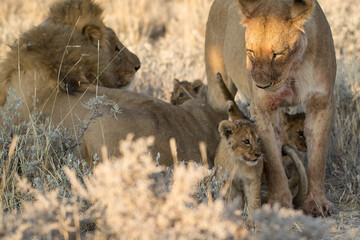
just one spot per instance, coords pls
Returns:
(152, 199)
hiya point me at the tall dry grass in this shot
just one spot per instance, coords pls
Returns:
(158, 206)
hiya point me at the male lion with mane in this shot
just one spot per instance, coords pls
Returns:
(277, 53)
(58, 66)
(85, 17)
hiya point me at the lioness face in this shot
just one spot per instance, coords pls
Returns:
(242, 140)
(275, 40)
(273, 48)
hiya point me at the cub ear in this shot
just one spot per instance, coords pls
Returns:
(226, 128)
(300, 10)
(197, 85)
(176, 82)
(284, 116)
(248, 7)
(92, 33)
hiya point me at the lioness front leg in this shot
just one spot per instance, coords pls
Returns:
(319, 117)
(267, 126)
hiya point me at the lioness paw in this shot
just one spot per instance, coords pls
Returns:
(318, 206)
(284, 198)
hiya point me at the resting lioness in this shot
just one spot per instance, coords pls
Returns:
(238, 158)
(277, 53)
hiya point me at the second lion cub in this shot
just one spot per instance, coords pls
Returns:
(239, 159)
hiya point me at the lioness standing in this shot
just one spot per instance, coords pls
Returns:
(286, 46)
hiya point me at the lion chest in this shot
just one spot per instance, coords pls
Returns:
(281, 97)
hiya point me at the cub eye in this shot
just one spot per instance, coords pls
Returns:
(251, 54)
(117, 49)
(246, 141)
(300, 133)
(181, 94)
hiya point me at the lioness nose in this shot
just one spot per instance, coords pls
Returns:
(257, 154)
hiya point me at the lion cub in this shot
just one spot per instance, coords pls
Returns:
(184, 90)
(239, 159)
(294, 158)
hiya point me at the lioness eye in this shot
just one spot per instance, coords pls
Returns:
(250, 53)
(277, 54)
(181, 94)
(246, 141)
(300, 133)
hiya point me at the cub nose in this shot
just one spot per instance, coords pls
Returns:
(257, 154)
(137, 68)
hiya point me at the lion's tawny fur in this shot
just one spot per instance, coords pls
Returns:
(238, 159)
(277, 53)
(294, 160)
(62, 76)
(185, 90)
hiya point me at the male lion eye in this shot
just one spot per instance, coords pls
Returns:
(246, 141)
(300, 133)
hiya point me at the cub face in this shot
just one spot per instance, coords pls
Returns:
(294, 130)
(274, 39)
(184, 90)
(241, 140)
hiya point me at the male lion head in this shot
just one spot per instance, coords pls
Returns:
(242, 140)
(85, 17)
(275, 40)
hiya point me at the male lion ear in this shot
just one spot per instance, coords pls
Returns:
(300, 10)
(248, 7)
(226, 128)
(92, 33)
(197, 85)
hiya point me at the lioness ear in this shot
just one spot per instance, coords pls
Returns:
(226, 128)
(300, 10)
(197, 85)
(92, 33)
(248, 7)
